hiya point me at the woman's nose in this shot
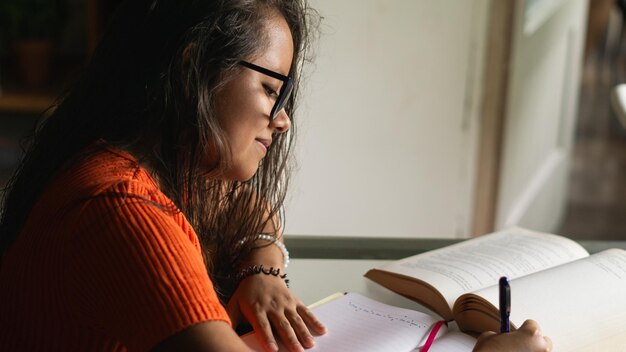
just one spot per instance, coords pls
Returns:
(282, 122)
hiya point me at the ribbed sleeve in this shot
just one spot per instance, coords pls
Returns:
(136, 272)
(117, 268)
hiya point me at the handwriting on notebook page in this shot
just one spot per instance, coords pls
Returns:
(361, 308)
(357, 323)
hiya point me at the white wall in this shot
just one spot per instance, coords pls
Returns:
(388, 123)
(542, 109)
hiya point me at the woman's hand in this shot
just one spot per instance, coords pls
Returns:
(266, 302)
(527, 338)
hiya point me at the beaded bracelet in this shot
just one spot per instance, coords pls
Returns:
(259, 269)
(277, 243)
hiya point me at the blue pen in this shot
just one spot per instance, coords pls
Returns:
(505, 304)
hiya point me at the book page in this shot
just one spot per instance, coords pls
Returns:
(357, 323)
(581, 306)
(453, 341)
(480, 262)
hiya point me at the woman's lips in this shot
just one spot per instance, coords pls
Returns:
(264, 143)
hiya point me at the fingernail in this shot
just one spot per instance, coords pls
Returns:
(296, 347)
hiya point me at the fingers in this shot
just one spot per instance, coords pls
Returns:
(310, 319)
(274, 312)
(527, 338)
(292, 329)
(548, 343)
(486, 334)
(532, 328)
(264, 331)
(301, 330)
(288, 335)
(288, 324)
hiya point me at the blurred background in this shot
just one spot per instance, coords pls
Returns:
(44, 44)
(419, 118)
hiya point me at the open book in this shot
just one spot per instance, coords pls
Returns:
(357, 323)
(578, 300)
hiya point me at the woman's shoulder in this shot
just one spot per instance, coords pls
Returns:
(101, 167)
(101, 171)
(106, 184)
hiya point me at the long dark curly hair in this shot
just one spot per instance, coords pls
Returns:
(150, 87)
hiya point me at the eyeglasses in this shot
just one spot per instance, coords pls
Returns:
(285, 90)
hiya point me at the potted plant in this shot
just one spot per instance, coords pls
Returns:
(31, 29)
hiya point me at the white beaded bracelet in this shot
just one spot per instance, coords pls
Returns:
(279, 244)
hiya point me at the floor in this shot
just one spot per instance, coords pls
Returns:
(596, 204)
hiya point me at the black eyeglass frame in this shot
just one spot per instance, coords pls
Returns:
(285, 90)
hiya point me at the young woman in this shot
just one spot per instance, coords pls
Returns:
(146, 213)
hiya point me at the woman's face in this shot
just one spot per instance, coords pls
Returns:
(244, 104)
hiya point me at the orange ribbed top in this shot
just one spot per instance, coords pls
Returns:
(104, 262)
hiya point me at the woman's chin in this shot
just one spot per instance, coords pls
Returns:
(240, 174)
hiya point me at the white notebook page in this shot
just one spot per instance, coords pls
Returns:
(357, 323)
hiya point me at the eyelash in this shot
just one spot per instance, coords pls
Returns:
(271, 92)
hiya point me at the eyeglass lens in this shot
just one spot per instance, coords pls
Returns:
(283, 98)
(285, 90)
